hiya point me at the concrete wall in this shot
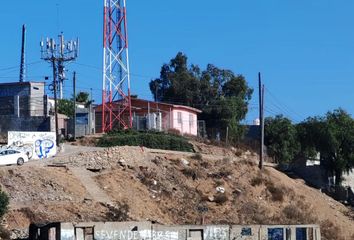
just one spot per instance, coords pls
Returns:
(108, 230)
(149, 231)
(37, 145)
(23, 99)
(13, 89)
(37, 100)
(12, 123)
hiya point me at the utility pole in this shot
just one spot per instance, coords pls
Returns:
(57, 55)
(23, 55)
(261, 118)
(74, 99)
(55, 103)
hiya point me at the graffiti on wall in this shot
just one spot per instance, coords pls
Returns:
(37, 145)
(216, 232)
(105, 234)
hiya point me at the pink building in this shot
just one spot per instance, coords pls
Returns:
(185, 119)
(159, 116)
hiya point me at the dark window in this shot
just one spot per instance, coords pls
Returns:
(35, 88)
(275, 234)
(301, 234)
(246, 232)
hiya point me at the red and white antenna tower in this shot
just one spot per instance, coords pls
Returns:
(116, 101)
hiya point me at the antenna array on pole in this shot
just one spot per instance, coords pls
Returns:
(58, 53)
(116, 101)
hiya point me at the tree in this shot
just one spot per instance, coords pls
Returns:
(333, 137)
(281, 139)
(66, 107)
(83, 97)
(4, 203)
(220, 94)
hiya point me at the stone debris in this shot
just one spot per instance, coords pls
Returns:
(184, 162)
(220, 189)
(105, 159)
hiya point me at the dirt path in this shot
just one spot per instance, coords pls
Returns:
(86, 179)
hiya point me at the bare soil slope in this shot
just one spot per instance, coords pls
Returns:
(220, 186)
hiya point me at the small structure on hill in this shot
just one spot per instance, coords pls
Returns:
(149, 115)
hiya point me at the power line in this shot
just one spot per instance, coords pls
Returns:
(284, 108)
(17, 67)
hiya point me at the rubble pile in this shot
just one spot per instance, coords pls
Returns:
(107, 158)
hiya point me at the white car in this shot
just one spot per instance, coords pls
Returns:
(10, 156)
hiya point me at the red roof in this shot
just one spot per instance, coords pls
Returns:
(182, 107)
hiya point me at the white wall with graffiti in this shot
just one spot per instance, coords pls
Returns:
(37, 145)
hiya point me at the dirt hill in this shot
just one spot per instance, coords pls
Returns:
(216, 185)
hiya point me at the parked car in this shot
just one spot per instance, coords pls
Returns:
(10, 156)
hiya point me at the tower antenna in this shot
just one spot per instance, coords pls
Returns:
(116, 100)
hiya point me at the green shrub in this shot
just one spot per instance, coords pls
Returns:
(4, 202)
(150, 139)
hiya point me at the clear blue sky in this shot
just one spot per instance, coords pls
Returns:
(304, 49)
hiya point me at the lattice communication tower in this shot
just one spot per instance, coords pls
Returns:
(116, 100)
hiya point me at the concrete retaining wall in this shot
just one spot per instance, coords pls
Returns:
(149, 231)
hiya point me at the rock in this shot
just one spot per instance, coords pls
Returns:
(184, 161)
(211, 198)
(122, 162)
(220, 189)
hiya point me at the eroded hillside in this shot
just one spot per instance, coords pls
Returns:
(217, 185)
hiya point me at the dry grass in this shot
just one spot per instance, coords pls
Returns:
(329, 231)
(296, 215)
(190, 172)
(222, 172)
(276, 192)
(256, 181)
(253, 213)
(118, 213)
(197, 156)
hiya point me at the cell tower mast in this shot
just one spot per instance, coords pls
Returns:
(116, 100)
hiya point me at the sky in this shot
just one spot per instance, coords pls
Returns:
(304, 49)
